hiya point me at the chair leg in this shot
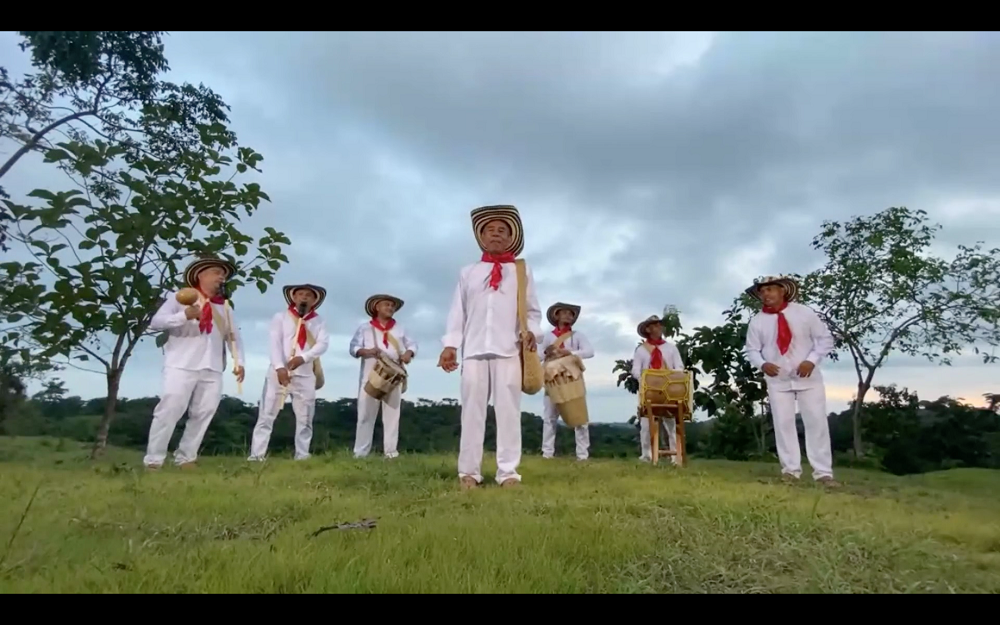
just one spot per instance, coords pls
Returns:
(681, 442)
(654, 437)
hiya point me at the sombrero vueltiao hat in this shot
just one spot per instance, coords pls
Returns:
(791, 287)
(506, 213)
(375, 299)
(554, 308)
(200, 264)
(641, 328)
(290, 289)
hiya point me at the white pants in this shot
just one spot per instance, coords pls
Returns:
(550, 419)
(196, 392)
(483, 379)
(645, 438)
(367, 413)
(812, 405)
(302, 390)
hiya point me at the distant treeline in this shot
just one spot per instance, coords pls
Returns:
(907, 435)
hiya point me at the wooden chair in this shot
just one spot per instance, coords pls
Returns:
(666, 394)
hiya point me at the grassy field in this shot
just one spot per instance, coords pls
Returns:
(607, 526)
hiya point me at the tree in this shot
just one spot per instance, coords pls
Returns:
(737, 395)
(882, 290)
(92, 80)
(151, 193)
(992, 401)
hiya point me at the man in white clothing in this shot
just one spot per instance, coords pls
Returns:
(562, 316)
(381, 334)
(787, 341)
(655, 353)
(483, 322)
(197, 339)
(297, 337)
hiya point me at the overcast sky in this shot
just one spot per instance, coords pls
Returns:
(649, 169)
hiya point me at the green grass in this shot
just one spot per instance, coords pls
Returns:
(608, 526)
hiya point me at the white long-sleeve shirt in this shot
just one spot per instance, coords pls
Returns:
(577, 344)
(811, 340)
(368, 337)
(284, 346)
(641, 359)
(483, 322)
(186, 347)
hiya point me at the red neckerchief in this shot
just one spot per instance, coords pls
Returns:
(385, 329)
(560, 331)
(656, 356)
(301, 338)
(205, 322)
(784, 330)
(497, 274)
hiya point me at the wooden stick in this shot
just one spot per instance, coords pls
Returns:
(232, 348)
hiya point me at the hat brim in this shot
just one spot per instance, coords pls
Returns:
(505, 213)
(372, 301)
(791, 288)
(641, 328)
(290, 290)
(550, 314)
(196, 267)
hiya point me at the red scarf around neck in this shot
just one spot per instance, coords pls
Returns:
(205, 322)
(301, 338)
(385, 329)
(497, 274)
(784, 330)
(656, 356)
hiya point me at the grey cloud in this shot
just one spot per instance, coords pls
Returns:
(378, 145)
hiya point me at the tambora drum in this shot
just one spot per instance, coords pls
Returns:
(667, 392)
(564, 386)
(385, 377)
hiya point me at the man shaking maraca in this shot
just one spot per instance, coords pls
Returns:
(199, 325)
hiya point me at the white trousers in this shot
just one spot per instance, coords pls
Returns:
(812, 405)
(645, 438)
(550, 419)
(483, 379)
(367, 413)
(302, 391)
(196, 392)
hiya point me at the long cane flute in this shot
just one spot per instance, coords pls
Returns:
(284, 389)
(231, 335)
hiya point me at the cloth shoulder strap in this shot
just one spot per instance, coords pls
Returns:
(522, 294)
(389, 337)
(562, 338)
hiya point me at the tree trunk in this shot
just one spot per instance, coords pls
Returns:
(110, 403)
(856, 419)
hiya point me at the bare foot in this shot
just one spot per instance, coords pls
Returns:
(469, 483)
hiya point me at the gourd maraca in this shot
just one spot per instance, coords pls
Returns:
(187, 297)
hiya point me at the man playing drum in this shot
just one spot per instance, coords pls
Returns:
(380, 337)
(787, 341)
(562, 317)
(483, 323)
(297, 338)
(197, 338)
(655, 353)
